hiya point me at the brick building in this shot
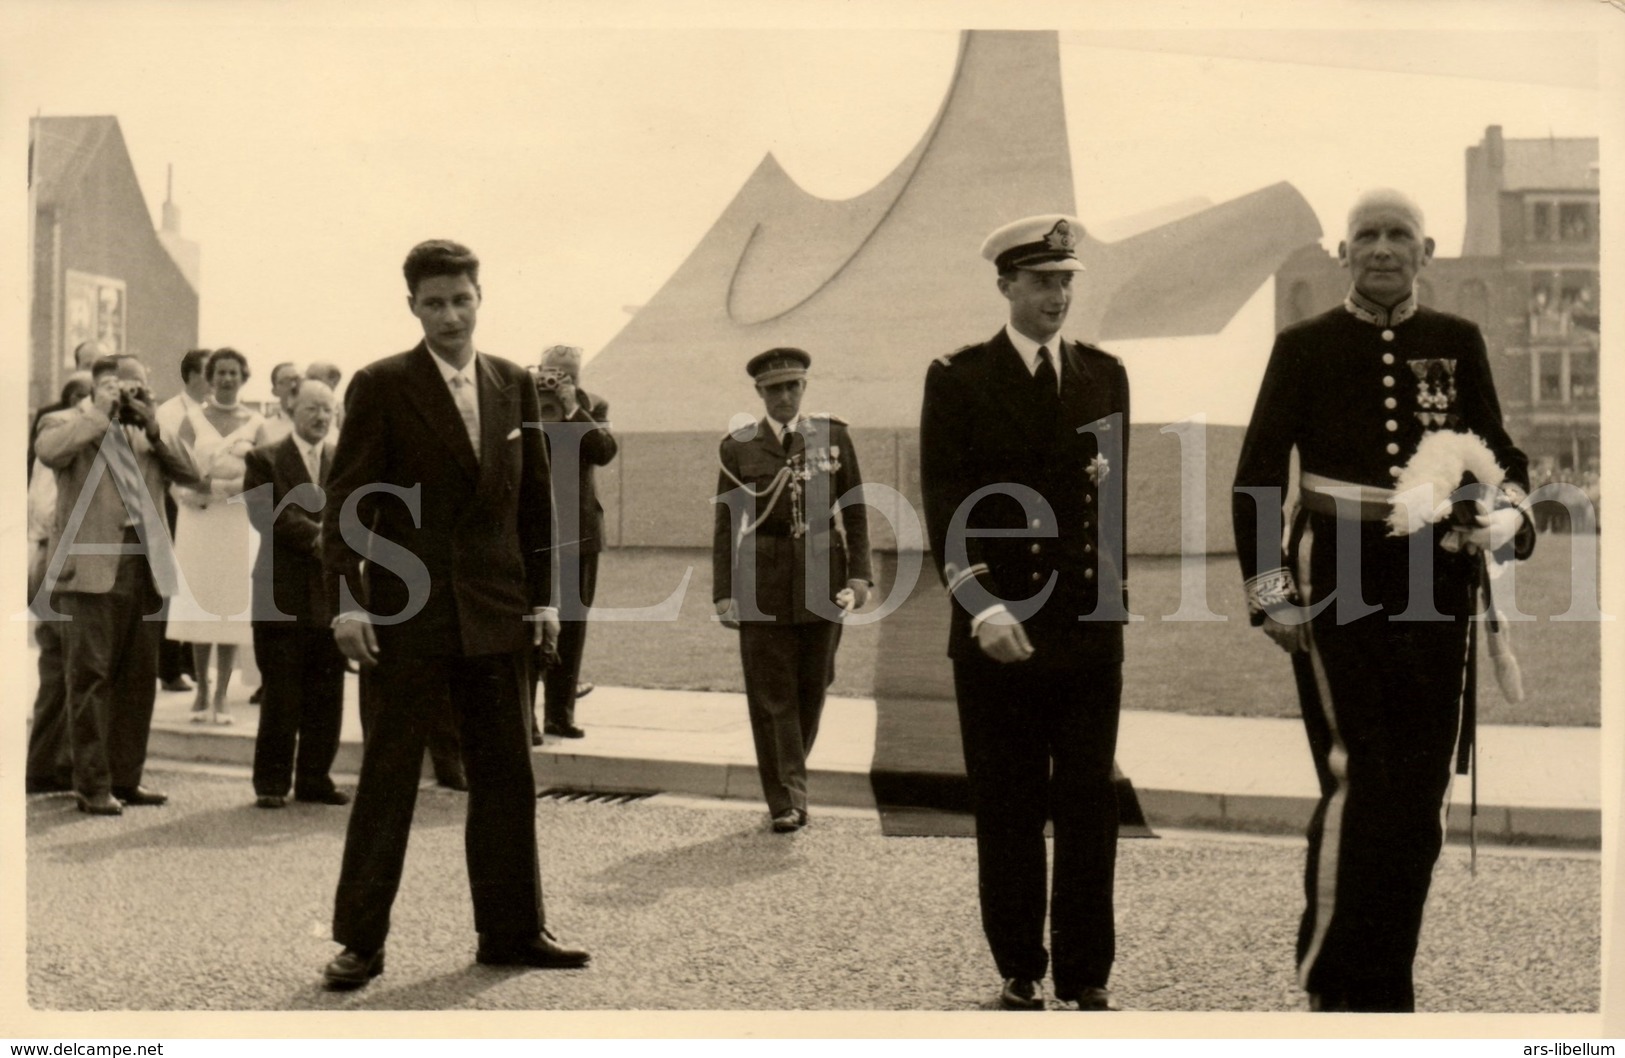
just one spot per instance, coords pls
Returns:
(1527, 276)
(98, 268)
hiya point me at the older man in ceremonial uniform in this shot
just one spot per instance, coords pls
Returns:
(790, 555)
(1377, 623)
(1023, 440)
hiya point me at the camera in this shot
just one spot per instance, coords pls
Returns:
(548, 380)
(130, 391)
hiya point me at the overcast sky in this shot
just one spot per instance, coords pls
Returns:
(583, 159)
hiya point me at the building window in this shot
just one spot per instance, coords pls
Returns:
(1557, 220)
(1583, 376)
(1565, 376)
(1540, 225)
(1573, 222)
(1562, 300)
(1551, 378)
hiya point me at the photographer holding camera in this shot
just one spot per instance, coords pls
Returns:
(576, 425)
(112, 463)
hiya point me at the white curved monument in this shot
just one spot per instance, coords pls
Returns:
(877, 285)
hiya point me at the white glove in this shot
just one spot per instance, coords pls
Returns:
(1496, 528)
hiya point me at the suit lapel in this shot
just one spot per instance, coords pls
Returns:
(291, 464)
(1012, 386)
(498, 415)
(769, 431)
(426, 389)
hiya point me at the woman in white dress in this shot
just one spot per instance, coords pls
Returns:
(214, 543)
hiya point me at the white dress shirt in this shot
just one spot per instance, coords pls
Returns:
(1029, 351)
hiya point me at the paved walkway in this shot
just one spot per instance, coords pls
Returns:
(1539, 785)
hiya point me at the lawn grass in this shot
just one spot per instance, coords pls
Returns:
(1212, 668)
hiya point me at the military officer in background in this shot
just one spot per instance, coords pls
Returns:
(790, 555)
(1380, 658)
(1023, 441)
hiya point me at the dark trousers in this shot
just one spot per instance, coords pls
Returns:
(444, 746)
(50, 761)
(559, 680)
(111, 655)
(487, 695)
(174, 658)
(1381, 702)
(1383, 737)
(787, 669)
(1039, 744)
(302, 709)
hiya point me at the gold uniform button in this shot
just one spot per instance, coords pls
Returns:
(1036, 578)
(1088, 548)
(1387, 358)
(1086, 523)
(1387, 336)
(1037, 524)
(1390, 404)
(1393, 449)
(1388, 380)
(1391, 425)
(1395, 471)
(1035, 548)
(1088, 574)
(1088, 498)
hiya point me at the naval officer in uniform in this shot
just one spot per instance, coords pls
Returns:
(790, 555)
(1023, 441)
(1376, 622)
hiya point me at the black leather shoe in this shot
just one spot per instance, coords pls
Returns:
(270, 800)
(1020, 993)
(543, 952)
(100, 805)
(536, 736)
(1088, 999)
(564, 731)
(140, 795)
(179, 683)
(453, 782)
(258, 697)
(326, 797)
(352, 969)
(791, 819)
(584, 689)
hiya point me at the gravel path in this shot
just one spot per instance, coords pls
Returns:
(212, 904)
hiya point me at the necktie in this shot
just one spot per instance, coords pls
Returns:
(462, 391)
(1045, 376)
(122, 463)
(313, 463)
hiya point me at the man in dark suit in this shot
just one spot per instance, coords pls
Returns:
(1023, 445)
(578, 434)
(303, 672)
(1381, 672)
(112, 465)
(789, 558)
(439, 486)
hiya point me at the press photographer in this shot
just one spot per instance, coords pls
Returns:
(110, 484)
(578, 435)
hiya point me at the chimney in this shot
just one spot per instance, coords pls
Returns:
(1494, 148)
(172, 212)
